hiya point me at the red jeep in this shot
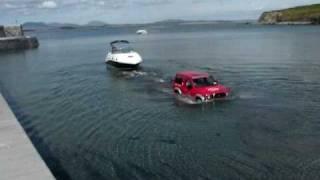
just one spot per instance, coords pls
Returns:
(199, 86)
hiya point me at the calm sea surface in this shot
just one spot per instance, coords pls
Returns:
(92, 121)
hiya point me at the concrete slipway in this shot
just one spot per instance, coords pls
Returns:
(19, 160)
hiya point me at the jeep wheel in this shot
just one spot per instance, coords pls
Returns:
(177, 91)
(199, 100)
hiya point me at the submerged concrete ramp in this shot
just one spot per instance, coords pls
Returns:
(18, 157)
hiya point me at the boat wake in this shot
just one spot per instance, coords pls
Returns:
(247, 95)
(186, 100)
(133, 74)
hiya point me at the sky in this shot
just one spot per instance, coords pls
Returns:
(136, 11)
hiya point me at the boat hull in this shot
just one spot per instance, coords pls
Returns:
(122, 65)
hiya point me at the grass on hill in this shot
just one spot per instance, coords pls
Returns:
(302, 13)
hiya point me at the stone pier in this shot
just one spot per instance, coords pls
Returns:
(13, 38)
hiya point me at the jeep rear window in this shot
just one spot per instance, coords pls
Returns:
(205, 81)
(178, 80)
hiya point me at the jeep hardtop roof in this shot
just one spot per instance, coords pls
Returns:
(192, 74)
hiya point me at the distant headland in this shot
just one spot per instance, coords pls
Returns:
(309, 14)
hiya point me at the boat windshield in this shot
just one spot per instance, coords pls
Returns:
(205, 81)
(121, 48)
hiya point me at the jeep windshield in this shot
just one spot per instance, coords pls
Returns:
(204, 81)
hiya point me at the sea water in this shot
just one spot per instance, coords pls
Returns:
(92, 121)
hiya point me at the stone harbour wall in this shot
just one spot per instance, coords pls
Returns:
(13, 31)
(2, 33)
(18, 43)
(12, 38)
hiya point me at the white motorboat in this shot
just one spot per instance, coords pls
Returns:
(142, 32)
(122, 55)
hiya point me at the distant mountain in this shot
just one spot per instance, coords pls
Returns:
(194, 22)
(309, 14)
(34, 25)
(96, 23)
(63, 25)
(42, 25)
(170, 22)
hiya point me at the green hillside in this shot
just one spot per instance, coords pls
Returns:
(310, 13)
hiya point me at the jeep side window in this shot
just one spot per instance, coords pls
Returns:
(212, 80)
(189, 85)
(178, 80)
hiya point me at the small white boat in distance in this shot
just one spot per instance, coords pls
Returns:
(122, 55)
(142, 32)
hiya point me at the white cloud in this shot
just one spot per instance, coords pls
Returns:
(151, 2)
(136, 11)
(9, 6)
(48, 5)
(101, 3)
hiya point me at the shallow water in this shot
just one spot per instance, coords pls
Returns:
(92, 121)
